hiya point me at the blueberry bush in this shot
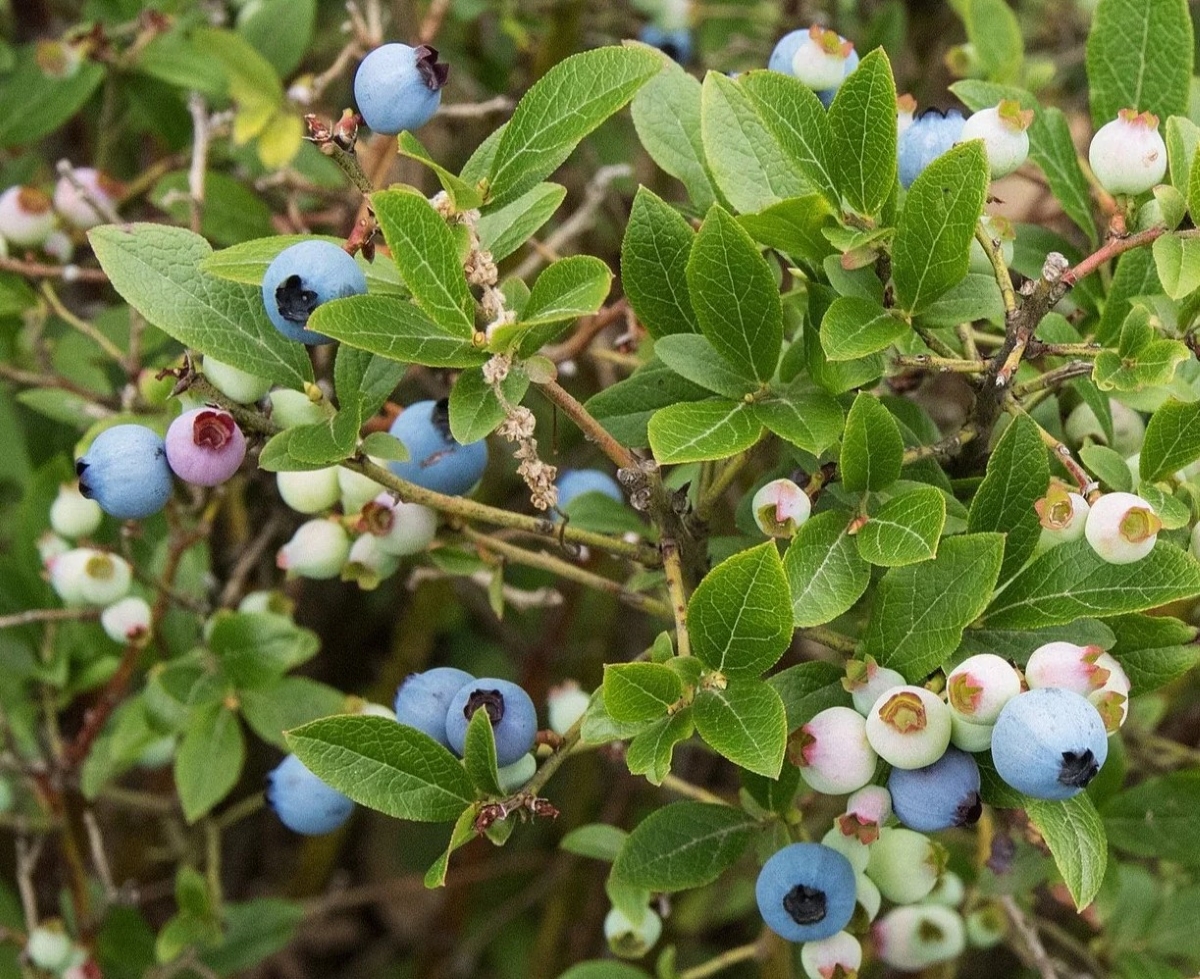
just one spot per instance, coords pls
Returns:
(486, 495)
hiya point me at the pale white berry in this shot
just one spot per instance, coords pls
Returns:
(905, 864)
(291, 408)
(780, 508)
(26, 216)
(1127, 155)
(1122, 528)
(356, 489)
(368, 563)
(906, 107)
(833, 753)
(233, 382)
(565, 704)
(820, 59)
(1003, 129)
(72, 514)
(916, 937)
(865, 680)
(1062, 514)
(106, 578)
(820, 960)
(311, 491)
(75, 208)
(632, 939)
(400, 528)
(127, 620)
(909, 727)
(318, 549)
(850, 847)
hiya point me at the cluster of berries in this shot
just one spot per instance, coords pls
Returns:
(31, 218)
(1120, 527)
(1048, 735)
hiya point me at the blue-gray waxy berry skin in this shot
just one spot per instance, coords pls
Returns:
(573, 483)
(676, 44)
(514, 717)
(937, 796)
(436, 460)
(301, 278)
(806, 892)
(785, 50)
(398, 87)
(423, 699)
(929, 136)
(125, 471)
(303, 803)
(1049, 743)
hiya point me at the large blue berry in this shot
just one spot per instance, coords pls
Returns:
(937, 796)
(510, 709)
(422, 699)
(398, 87)
(1049, 743)
(301, 278)
(806, 892)
(436, 460)
(929, 136)
(303, 802)
(573, 483)
(125, 470)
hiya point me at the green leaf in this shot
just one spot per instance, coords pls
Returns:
(232, 211)
(807, 689)
(836, 377)
(1109, 467)
(811, 420)
(599, 841)
(1071, 581)
(1142, 359)
(603, 969)
(463, 195)
(862, 121)
(931, 250)
(567, 289)
(683, 845)
(381, 445)
(853, 328)
(694, 357)
(505, 229)
(746, 161)
(313, 446)
(640, 691)
(34, 104)
(257, 648)
(209, 759)
(1018, 474)
(625, 408)
(735, 296)
(1073, 831)
(479, 754)
(383, 765)
(1181, 136)
(1157, 819)
(426, 254)
(1154, 649)
(654, 260)
(794, 115)
(739, 616)
(288, 703)
(872, 447)
(571, 100)
(993, 29)
(746, 723)
(154, 268)
(1139, 56)
(1135, 276)
(701, 430)
(921, 610)
(396, 329)
(1172, 440)
(1177, 260)
(475, 411)
(666, 115)
(904, 530)
(463, 832)
(976, 297)
(824, 569)
(650, 753)
(794, 226)
(1193, 185)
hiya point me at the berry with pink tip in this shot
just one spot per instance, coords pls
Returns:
(1062, 514)
(915, 937)
(127, 620)
(400, 528)
(1112, 699)
(1003, 129)
(909, 727)
(318, 550)
(836, 957)
(820, 59)
(1122, 528)
(26, 216)
(905, 864)
(780, 508)
(75, 208)
(866, 811)
(832, 752)
(865, 680)
(205, 446)
(1127, 155)
(1066, 665)
(980, 686)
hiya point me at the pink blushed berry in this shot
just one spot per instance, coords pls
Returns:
(1066, 665)
(836, 957)
(75, 208)
(205, 446)
(780, 508)
(980, 686)
(832, 752)
(865, 680)
(26, 216)
(1128, 155)
(866, 811)
(1122, 528)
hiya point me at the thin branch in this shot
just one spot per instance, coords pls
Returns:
(999, 268)
(942, 365)
(198, 168)
(40, 270)
(673, 567)
(742, 953)
(673, 783)
(30, 616)
(621, 457)
(476, 110)
(81, 325)
(1035, 953)
(1052, 379)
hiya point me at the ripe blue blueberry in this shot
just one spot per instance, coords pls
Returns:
(510, 709)
(436, 460)
(675, 44)
(398, 87)
(806, 892)
(301, 278)
(1049, 743)
(125, 471)
(929, 136)
(937, 796)
(303, 802)
(422, 699)
(573, 483)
